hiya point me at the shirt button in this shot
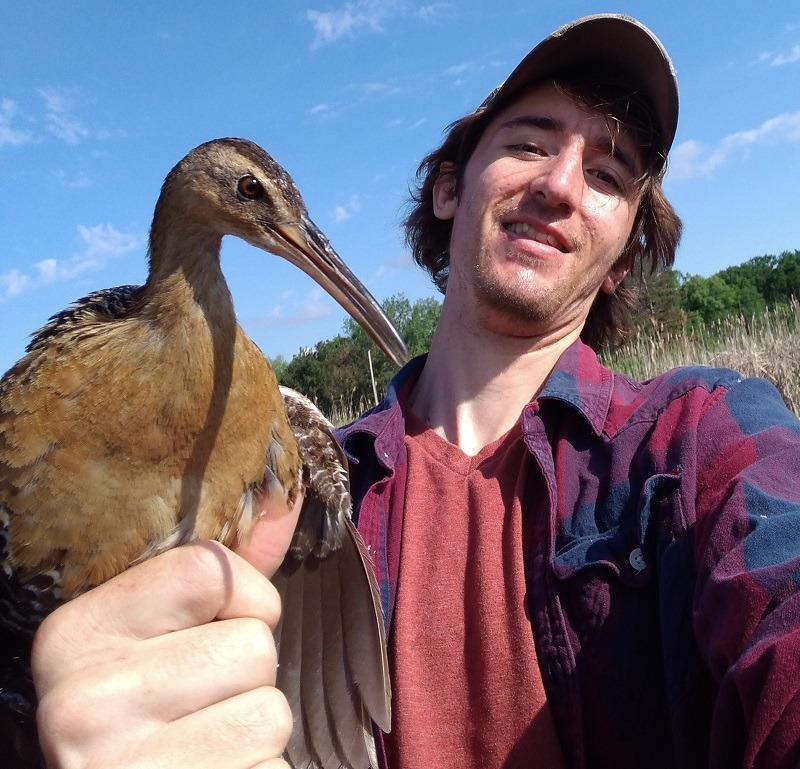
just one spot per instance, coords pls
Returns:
(636, 559)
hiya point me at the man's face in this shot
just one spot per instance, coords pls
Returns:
(548, 201)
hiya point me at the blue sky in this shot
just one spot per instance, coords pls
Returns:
(98, 101)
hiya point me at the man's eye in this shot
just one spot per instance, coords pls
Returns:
(527, 148)
(608, 179)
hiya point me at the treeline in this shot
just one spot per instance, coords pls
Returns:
(676, 301)
(336, 373)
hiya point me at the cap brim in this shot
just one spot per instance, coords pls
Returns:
(615, 41)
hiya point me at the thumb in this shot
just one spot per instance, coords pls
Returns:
(271, 535)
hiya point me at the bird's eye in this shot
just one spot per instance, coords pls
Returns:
(250, 188)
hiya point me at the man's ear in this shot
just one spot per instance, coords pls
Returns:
(445, 201)
(615, 276)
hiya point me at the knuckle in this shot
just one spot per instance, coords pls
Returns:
(205, 572)
(261, 718)
(61, 722)
(260, 642)
(272, 605)
(204, 562)
(53, 645)
(281, 713)
(272, 712)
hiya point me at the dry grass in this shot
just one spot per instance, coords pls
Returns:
(344, 412)
(766, 346)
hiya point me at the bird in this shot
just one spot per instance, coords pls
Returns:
(143, 417)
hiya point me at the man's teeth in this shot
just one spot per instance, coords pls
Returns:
(525, 229)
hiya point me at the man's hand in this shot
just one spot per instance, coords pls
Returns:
(170, 664)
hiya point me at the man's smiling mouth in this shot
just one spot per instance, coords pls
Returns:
(521, 228)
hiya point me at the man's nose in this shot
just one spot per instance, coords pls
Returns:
(560, 180)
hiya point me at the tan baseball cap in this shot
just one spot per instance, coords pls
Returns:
(609, 40)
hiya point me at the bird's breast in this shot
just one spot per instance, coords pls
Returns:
(129, 433)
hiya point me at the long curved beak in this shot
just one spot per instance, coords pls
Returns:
(306, 247)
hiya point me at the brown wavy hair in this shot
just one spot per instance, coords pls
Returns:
(656, 230)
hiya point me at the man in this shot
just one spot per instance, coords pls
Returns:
(578, 570)
(510, 483)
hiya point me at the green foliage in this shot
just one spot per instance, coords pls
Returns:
(659, 301)
(336, 373)
(784, 280)
(674, 301)
(279, 364)
(415, 322)
(708, 299)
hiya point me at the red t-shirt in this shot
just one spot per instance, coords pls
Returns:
(466, 683)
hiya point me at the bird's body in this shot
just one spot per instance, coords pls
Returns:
(144, 417)
(116, 399)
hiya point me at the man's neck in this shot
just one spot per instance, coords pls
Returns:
(476, 382)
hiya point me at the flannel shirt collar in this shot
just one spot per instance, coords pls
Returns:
(578, 379)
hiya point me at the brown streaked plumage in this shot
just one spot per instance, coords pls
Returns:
(144, 417)
(312, 585)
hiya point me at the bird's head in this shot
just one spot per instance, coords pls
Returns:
(234, 187)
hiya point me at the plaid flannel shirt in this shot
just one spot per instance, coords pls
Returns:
(661, 526)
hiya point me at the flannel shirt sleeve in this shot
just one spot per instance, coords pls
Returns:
(747, 553)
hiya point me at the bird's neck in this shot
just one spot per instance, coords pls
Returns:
(186, 278)
(192, 324)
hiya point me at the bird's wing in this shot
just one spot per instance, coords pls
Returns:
(331, 639)
(34, 387)
(29, 389)
(25, 599)
(106, 304)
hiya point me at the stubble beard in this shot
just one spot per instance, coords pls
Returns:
(519, 302)
(515, 304)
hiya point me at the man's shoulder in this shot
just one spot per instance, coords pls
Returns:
(677, 381)
(686, 393)
(609, 399)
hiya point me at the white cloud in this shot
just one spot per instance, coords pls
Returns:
(344, 212)
(374, 89)
(692, 158)
(315, 305)
(58, 116)
(9, 135)
(78, 181)
(330, 26)
(357, 93)
(464, 72)
(13, 283)
(458, 69)
(99, 244)
(400, 263)
(47, 270)
(786, 58)
(325, 111)
(107, 241)
(433, 11)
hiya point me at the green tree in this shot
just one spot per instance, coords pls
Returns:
(422, 322)
(279, 364)
(707, 299)
(336, 373)
(660, 302)
(414, 322)
(784, 280)
(748, 282)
